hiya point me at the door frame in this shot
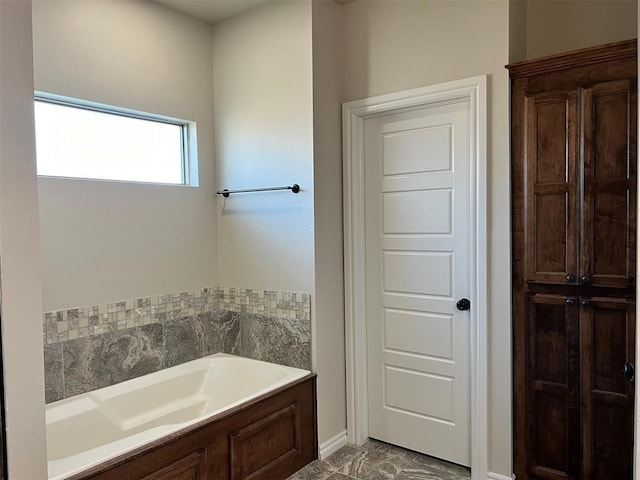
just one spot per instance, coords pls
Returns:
(354, 115)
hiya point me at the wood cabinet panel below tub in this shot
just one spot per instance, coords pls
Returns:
(192, 467)
(267, 439)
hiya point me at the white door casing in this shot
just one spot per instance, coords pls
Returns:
(417, 266)
(473, 90)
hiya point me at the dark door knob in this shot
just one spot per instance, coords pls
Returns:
(586, 303)
(570, 301)
(586, 279)
(571, 278)
(463, 304)
(628, 371)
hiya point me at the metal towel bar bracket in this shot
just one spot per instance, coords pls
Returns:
(295, 188)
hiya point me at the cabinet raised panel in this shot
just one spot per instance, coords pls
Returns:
(551, 220)
(607, 343)
(552, 385)
(257, 448)
(609, 208)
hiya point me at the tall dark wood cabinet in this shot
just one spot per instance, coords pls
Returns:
(574, 124)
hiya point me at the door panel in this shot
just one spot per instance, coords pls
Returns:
(609, 209)
(607, 342)
(417, 213)
(399, 147)
(426, 334)
(551, 186)
(417, 272)
(439, 390)
(405, 213)
(552, 386)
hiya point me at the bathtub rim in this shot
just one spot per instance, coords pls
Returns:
(205, 422)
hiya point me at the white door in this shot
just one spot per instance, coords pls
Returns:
(418, 215)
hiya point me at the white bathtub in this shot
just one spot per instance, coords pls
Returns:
(88, 429)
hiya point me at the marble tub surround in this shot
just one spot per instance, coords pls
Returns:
(286, 341)
(53, 376)
(187, 338)
(84, 364)
(104, 350)
(380, 461)
(277, 340)
(98, 361)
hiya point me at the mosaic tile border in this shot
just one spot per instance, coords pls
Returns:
(84, 321)
(270, 303)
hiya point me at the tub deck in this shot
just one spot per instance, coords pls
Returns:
(91, 429)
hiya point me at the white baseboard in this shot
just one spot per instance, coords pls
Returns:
(497, 476)
(333, 445)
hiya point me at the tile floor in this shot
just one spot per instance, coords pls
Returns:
(380, 461)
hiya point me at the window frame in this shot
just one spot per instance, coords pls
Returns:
(188, 137)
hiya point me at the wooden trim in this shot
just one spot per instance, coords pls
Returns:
(518, 191)
(578, 58)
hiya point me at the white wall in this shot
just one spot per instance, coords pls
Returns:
(328, 335)
(20, 271)
(106, 241)
(555, 26)
(264, 137)
(394, 46)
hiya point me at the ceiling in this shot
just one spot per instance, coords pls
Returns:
(214, 11)
(211, 11)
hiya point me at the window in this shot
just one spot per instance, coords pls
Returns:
(82, 140)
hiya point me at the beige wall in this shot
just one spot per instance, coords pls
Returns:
(264, 137)
(517, 30)
(20, 271)
(327, 145)
(105, 241)
(393, 46)
(555, 26)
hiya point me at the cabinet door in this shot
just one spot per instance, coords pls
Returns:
(552, 387)
(607, 342)
(551, 188)
(609, 208)
(192, 467)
